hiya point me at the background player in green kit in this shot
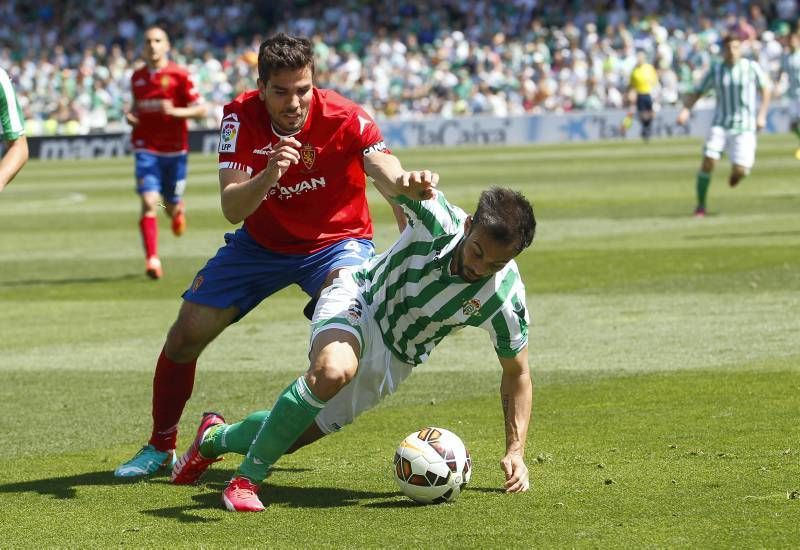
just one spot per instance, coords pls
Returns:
(13, 128)
(790, 66)
(737, 115)
(380, 320)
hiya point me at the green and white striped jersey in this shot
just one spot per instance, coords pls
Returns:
(790, 64)
(736, 90)
(417, 302)
(13, 125)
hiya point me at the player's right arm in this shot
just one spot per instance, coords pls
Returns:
(392, 180)
(516, 393)
(241, 194)
(12, 131)
(12, 162)
(691, 99)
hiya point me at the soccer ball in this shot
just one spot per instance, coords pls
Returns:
(432, 466)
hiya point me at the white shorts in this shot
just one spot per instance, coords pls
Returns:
(379, 373)
(741, 147)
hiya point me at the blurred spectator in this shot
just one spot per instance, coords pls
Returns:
(403, 59)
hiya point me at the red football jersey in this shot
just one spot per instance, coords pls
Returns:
(320, 200)
(157, 132)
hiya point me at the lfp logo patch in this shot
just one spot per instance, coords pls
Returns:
(227, 136)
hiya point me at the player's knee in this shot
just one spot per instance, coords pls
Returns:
(329, 373)
(708, 164)
(739, 173)
(184, 341)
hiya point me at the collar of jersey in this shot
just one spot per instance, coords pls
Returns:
(281, 136)
(445, 255)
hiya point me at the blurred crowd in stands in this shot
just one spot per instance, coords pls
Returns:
(71, 60)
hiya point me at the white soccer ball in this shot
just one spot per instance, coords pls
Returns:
(432, 466)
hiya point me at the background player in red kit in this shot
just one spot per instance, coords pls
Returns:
(163, 98)
(292, 165)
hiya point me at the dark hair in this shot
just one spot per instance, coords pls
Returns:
(283, 51)
(507, 216)
(728, 38)
(158, 25)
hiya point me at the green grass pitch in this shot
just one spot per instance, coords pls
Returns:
(664, 353)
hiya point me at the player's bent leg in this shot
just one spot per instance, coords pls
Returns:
(237, 438)
(241, 494)
(177, 212)
(196, 326)
(334, 361)
(148, 228)
(738, 173)
(703, 182)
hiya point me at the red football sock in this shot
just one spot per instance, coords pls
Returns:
(148, 226)
(172, 388)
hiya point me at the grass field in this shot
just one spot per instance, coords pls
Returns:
(664, 352)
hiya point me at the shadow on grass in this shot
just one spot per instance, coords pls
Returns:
(72, 281)
(61, 487)
(213, 483)
(66, 487)
(272, 495)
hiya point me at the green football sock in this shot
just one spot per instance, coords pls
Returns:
(233, 438)
(703, 181)
(796, 130)
(293, 413)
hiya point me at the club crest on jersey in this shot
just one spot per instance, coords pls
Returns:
(471, 307)
(197, 282)
(165, 82)
(308, 155)
(227, 137)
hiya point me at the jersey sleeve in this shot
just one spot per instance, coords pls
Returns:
(437, 216)
(365, 133)
(235, 142)
(13, 124)
(508, 328)
(189, 91)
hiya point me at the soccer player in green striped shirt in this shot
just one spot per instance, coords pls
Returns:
(737, 115)
(380, 320)
(790, 66)
(13, 126)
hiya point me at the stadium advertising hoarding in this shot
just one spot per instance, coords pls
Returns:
(447, 132)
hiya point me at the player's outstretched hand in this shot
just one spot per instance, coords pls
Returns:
(516, 473)
(761, 122)
(419, 185)
(284, 154)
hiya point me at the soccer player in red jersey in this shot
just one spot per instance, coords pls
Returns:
(293, 160)
(164, 98)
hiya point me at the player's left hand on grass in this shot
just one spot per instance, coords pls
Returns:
(419, 185)
(516, 472)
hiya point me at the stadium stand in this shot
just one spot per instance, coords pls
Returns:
(404, 59)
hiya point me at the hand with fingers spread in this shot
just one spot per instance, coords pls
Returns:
(418, 185)
(516, 473)
(284, 154)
